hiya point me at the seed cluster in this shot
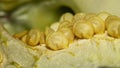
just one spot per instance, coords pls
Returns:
(81, 26)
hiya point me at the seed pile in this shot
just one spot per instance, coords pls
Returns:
(70, 27)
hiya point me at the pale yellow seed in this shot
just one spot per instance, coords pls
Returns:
(55, 26)
(109, 18)
(103, 15)
(33, 37)
(113, 28)
(42, 38)
(68, 33)
(78, 16)
(56, 41)
(24, 39)
(66, 17)
(83, 29)
(20, 35)
(66, 24)
(98, 24)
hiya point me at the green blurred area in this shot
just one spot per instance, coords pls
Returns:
(27, 14)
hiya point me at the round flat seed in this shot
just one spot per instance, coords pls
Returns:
(33, 37)
(98, 24)
(83, 29)
(42, 38)
(56, 41)
(68, 33)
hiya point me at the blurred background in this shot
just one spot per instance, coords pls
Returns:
(18, 15)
